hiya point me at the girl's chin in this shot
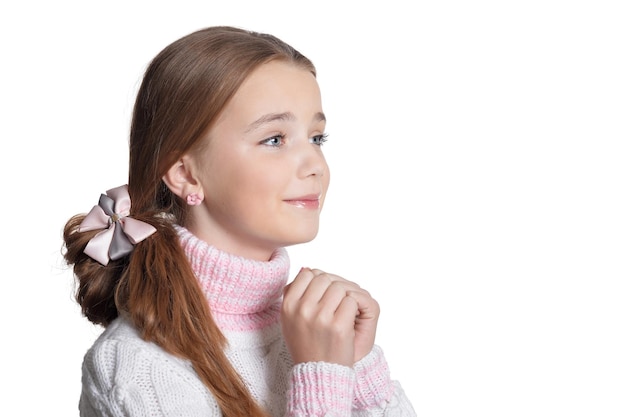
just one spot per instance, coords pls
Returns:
(302, 238)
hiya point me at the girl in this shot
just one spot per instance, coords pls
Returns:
(186, 268)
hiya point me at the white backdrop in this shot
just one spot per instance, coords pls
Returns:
(478, 160)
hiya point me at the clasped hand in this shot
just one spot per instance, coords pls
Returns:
(327, 318)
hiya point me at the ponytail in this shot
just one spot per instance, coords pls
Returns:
(157, 289)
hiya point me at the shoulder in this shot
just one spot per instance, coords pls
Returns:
(123, 371)
(120, 353)
(122, 343)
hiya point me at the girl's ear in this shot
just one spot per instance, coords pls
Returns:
(181, 181)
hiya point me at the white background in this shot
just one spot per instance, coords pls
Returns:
(478, 154)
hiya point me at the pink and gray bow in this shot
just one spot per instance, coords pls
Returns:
(120, 232)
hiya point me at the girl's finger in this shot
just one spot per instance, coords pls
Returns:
(300, 283)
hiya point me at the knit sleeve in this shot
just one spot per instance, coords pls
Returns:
(376, 394)
(324, 389)
(320, 389)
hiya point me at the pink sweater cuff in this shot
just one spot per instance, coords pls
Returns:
(373, 381)
(321, 389)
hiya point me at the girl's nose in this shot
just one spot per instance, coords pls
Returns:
(312, 162)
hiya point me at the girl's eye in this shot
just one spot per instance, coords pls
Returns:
(319, 139)
(274, 141)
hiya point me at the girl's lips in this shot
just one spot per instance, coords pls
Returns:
(307, 201)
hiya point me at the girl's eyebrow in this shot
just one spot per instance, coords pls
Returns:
(319, 117)
(272, 117)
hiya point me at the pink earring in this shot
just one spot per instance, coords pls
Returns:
(194, 199)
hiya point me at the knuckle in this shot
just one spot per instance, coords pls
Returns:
(337, 286)
(323, 279)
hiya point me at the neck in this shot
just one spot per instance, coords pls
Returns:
(210, 233)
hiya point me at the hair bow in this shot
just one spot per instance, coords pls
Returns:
(121, 232)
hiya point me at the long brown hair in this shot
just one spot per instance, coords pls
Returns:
(184, 89)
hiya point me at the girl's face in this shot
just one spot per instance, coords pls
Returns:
(262, 171)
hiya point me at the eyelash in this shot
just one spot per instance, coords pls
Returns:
(322, 139)
(319, 140)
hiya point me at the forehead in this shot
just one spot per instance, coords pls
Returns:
(276, 86)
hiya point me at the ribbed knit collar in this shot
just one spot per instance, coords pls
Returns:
(243, 294)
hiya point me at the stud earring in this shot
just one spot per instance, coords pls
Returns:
(194, 199)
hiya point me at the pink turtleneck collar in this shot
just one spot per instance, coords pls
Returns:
(243, 294)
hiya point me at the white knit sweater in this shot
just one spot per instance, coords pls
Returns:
(123, 375)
